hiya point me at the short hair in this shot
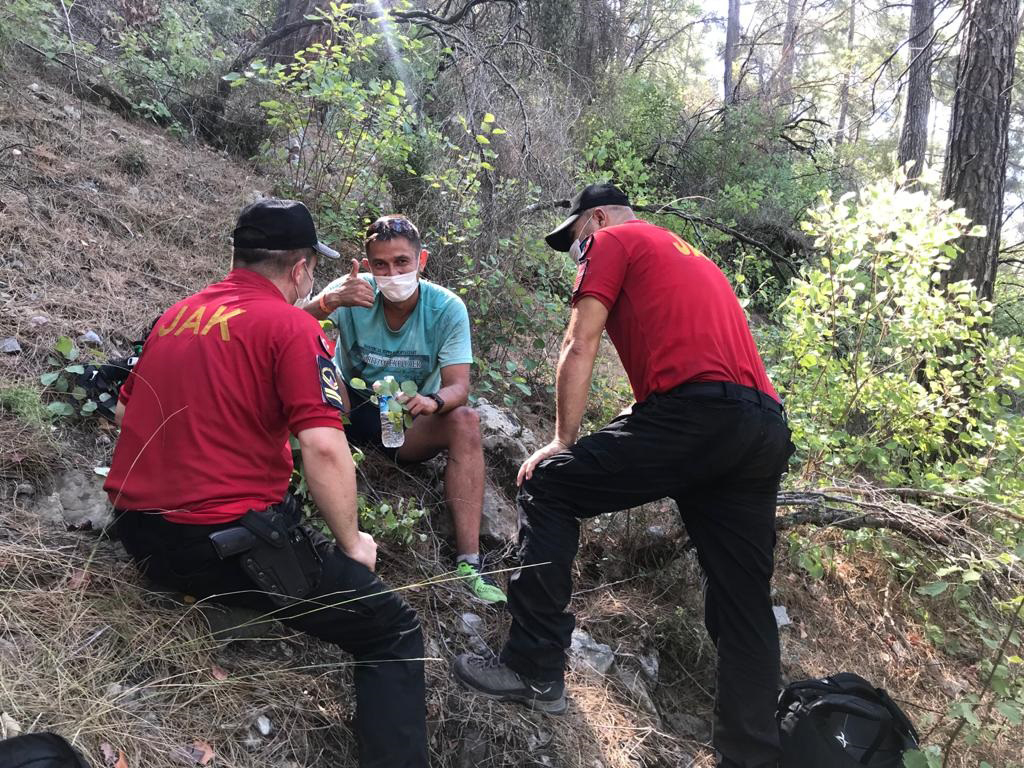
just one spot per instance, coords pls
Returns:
(389, 227)
(265, 260)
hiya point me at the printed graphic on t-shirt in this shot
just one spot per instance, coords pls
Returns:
(403, 360)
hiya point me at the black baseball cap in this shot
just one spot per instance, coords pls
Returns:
(592, 196)
(278, 225)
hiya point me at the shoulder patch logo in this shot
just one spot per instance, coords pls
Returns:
(581, 272)
(329, 383)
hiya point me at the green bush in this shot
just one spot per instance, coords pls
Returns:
(887, 370)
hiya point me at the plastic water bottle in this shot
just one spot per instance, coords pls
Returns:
(390, 435)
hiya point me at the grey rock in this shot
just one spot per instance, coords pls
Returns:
(83, 503)
(10, 346)
(781, 616)
(690, 726)
(537, 740)
(507, 443)
(499, 523)
(263, 725)
(473, 749)
(34, 87)
(657, 533)
(38, 320)
(24, 489)
(114, 690)
(470, 625)
(500, 519)
(633, 682)
(90, 338)
(595, 655)
(649, 665)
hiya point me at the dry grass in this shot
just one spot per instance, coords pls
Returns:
(103, 223)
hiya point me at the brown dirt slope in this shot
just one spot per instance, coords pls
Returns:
(103, 223)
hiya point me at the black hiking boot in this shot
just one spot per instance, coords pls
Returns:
(491, 678)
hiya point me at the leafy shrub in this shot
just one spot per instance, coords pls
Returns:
(886, 369)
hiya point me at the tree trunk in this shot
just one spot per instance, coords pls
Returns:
(290, 12)
(976, 154)
(732, 37)
(788, 61)
(914, 136)
(844, 93)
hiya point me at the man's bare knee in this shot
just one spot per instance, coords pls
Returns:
(464, 424)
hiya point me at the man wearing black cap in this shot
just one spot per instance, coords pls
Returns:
(200, 474)
(707, 430)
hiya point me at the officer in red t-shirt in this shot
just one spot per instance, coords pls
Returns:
(707, 430)
(200, 474)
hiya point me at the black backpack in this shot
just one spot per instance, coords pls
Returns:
(39, 750)
(842, 721)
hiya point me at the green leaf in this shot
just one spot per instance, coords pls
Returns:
(77, 368)
(48, 378)
(231, 76)
(394, 406)
(66, 347)
(933, 589)
(481, 139)
(357, 383)
(409, 387)
(79, 393)
(1010, 711)
(408, 420)
(498, 131)
(487, 166)
(89, 407)
(60, 409)
(488, 118)
(969, 577)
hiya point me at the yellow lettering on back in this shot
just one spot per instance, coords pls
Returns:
(220, 317)
(168, 328)
(193, 322)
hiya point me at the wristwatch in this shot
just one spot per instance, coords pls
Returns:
(437, 399)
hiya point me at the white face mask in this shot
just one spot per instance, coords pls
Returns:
(574, 249)
(302, 301)
(399, 287)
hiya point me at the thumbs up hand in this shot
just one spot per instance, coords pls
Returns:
(349, 291)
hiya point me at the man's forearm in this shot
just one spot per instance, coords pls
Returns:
(453, 395)
(572, 384)
(331, 477)
(313, 307)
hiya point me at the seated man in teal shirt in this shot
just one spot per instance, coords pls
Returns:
(393, 323)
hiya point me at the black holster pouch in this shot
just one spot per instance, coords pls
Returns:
(277, 552)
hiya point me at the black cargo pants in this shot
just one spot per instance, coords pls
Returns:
(719, 450)
(350, 608)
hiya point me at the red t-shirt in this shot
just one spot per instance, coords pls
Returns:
(672, 315)
(225, 375)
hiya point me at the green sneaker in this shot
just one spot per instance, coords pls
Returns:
(481, 585)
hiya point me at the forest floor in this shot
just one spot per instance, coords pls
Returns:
(105, 222)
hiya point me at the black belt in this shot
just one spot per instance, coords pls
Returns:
(729, 391)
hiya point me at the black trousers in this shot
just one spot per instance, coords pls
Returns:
(349, 608)
(721, 458)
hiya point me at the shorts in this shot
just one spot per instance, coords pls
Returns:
(363, 430)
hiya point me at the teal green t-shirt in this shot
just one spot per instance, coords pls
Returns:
(436, 334)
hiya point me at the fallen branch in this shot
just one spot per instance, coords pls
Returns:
(821, 513)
